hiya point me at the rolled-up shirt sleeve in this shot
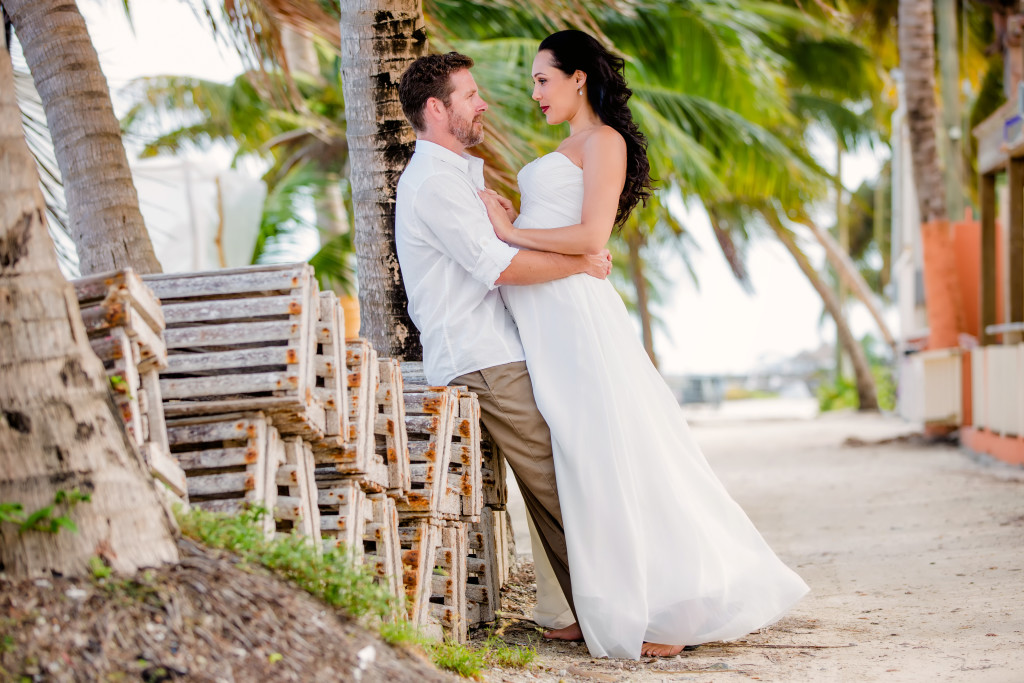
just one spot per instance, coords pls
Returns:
(449, 208)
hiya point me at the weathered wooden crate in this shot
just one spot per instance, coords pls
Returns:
(492, 473)
(483, 572)
(448, 582)
(120, 299)
(506, 544)
(419, 538)
(412, 376)
(358, 458)
(242, 339)
(125, 324)
(331, 374)
(344, 514)
(116, 352)
(230, 461)
(392, 440)
(465, 477)
(297, 509)
(382, 549)
(429, 421)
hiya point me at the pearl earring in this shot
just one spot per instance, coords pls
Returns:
(580, 92)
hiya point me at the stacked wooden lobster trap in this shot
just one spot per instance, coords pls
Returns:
(240, 389)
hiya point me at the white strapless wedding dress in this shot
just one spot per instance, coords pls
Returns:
(658, 550)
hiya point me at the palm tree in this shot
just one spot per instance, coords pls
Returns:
(917, 61)
(103, 209)
(378, 41)
(63, 449)
(867, 393)
(711, 122)
(303, 142)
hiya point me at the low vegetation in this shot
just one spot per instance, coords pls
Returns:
(334, 579)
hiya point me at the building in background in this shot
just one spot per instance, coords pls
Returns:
(977, 386)
(199, 217)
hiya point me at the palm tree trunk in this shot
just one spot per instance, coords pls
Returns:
(866, 392)
(949, 69)
(103, 207)
(917, 61)
(636, 269)
(848, 273)
(378, 41)
(59, 428)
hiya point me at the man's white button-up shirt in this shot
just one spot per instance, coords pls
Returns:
(450, 259)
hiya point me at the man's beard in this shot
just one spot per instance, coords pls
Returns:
(463, 131)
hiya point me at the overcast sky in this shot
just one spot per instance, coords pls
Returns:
(719, 328)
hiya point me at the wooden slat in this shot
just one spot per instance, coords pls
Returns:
(193, 387)
(231, 309)
(228, 482)
(165, 469)
(249, 280)
(235, 359)
(289, 507)
(430, 402)
(233, 334)
(221, 428)
(99, 286)
(214, 458)
(230, 506)
(423, 424)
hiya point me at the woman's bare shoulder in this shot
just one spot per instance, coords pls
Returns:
(603, 142)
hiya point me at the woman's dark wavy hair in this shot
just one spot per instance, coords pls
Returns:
(608, 93)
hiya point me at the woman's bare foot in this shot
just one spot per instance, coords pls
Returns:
(571, 632)
(659, 650)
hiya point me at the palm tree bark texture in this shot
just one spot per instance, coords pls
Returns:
(59, 428)
(941, 283)
(378, 42)
(103, 207)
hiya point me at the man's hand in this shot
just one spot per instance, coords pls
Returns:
(599, 265)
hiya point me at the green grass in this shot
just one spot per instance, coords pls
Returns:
(507, 656)
(401, 632)
(330, 576)
(333, 578)
(457, 658)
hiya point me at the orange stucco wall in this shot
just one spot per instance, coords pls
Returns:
(1006, 448)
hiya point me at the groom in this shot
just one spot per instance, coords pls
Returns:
(452, 263)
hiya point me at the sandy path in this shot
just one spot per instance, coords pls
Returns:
(914, 554)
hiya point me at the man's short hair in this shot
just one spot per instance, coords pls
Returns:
(429, 76)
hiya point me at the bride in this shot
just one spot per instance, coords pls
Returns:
(660, 555)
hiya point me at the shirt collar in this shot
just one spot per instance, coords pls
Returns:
(469, 165)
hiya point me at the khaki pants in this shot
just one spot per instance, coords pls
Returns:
(510, 414)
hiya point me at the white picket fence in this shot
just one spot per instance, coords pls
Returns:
(997, 379)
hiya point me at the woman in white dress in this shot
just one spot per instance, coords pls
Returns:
(660, 555)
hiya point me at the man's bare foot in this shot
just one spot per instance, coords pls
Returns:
(659, 650)
(571, 632)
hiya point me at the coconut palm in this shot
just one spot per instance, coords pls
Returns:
(63, 450)
(103, 210)
(377, 44)
(711, 124)
(917, 60)
(304, 145)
